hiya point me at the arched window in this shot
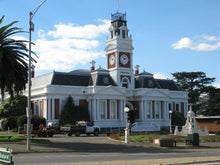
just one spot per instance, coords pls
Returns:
(125, 82)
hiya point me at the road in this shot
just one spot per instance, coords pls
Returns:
(90, 150)
(88, 157)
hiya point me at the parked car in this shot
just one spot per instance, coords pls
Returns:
(82, 127)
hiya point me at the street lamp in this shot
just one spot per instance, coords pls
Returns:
(127, 126)
(31, 28)
(170, 112)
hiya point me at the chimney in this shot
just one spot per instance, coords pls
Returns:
(136, 69)
(32, 71)
(92, 65)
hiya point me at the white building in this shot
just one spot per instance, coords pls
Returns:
(105, 92)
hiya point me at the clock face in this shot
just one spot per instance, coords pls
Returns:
(112, 60)
(124, 59)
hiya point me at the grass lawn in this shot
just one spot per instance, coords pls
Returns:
(4, 138)
(14, 138)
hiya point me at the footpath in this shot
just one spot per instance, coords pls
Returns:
(61, 143)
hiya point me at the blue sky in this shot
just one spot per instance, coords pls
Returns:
(168, 35)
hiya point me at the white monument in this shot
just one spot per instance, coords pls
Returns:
(191, 126)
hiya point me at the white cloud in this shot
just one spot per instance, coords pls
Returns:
(198, 45)
(72, 31)
(19, 38)
(217, 85)
(211, 38)
(68, 45)
(159, 75)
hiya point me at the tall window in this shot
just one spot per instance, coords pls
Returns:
(102, 109)
(157, 110)
(123, 34)
(112, 110)
(177, 107)
(57, 108)
(148, 110)
(170, 107)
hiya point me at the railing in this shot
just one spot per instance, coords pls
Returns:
(119, 16)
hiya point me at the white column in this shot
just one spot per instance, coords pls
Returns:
(52, 117)
(94, 109)
(45, 109)
(142, 109)
(159, 107)
(121, 110)
(48, 110)
(97, 110)
(89, 109)
(123, 106)
(164, 110)
(167, 112)
(154, 117)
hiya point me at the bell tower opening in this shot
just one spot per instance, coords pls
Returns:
(119, 25)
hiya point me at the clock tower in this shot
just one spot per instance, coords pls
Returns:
(119, 52)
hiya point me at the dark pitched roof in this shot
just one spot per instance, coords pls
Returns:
(168, 84)
(70, 79)
(146, 80)
(105, 80)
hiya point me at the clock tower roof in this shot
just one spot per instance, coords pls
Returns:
(118, 20)
(119, 16)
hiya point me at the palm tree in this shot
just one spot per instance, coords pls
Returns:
(13, 60)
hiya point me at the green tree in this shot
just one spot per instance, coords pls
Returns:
(81, 114)
(67, 113)
(71, 113)
(213, 107)
(196, 83)
(177, 118)
(14, 106)
(13, 60)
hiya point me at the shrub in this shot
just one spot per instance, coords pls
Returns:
(21, 121)
(36, 121)
(10, 122)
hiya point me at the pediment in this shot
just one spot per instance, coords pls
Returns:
(152, 93)
(109, 90)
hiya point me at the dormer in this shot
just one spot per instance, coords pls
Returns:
(101, 77)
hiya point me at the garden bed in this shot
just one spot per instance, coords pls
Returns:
(149, 137)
